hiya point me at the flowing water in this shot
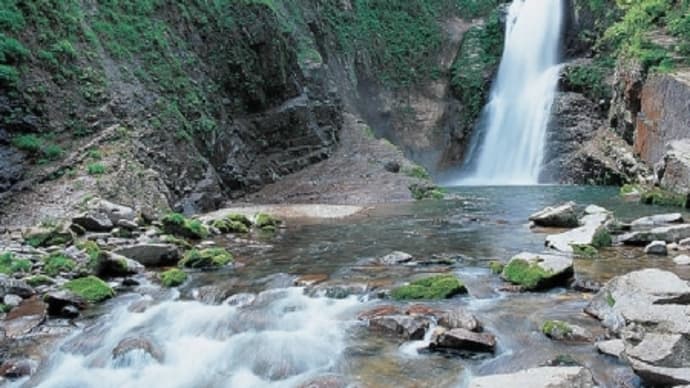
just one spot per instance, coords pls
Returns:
(249, 326)
(511, 135)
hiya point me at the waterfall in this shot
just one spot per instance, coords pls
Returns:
(512, 132)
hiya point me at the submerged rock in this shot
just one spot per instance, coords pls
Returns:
(538, 271)
(136, 344)
(462, 339)
(562, 216)
(395, 258)
(18, 367)
(544, 377)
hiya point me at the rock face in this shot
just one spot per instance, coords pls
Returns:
(625, 104)
(535, 271)
(545, 377)
(592, 224)
(562, 216)
(664, 115)
(674, 174)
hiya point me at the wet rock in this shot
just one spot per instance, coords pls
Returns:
(94, 221)
(676, 167)
(648, 298)
(137, 344)
(405, 326)
(563, 331)
(9, 285)
(212, 294)
(24, 318)
(613, 347)
(538, 271)
(241, 300)
(59, 303)
(326, 381)
(310, 280)
(379, 311)
(112, 264)
(586, 285)
(682, 260)
(669, 234)
(660, 376)
(151, 255)
(338, 291)
(684, 244)
(18, 367)
(459, 319)
(562, 216)
(657, 220)
(48, 236)
(656, 248)
(592, 232)
(544, 377)
(395, 258)
(12, 300)
(462, 339)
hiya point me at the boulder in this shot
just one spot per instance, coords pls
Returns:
(535, 271)
(458, 319)
(657, 220)
(613, 347)
(563, 331)
(395, 258)
(12, 300)
(682, 260)
(24, 318)
(669, 234)
(662, 349)
(660, 376)
(561, 216)
(676, 167)
(544, 377)
(591, 232)
(645, 298)
(405, 326)
(64, 304)
(47, 236)
(13, 286)
(150, 254)
(462, 339)
(113, 264)
(94, 221)
(116, 212)
(656, 248)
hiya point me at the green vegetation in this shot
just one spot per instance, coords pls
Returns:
(417, 171)
(4, 308)
(229, 226)
(90, 288)
(95, 169)
(436, 287)
(585, 250)
(421, 192)
(177, 224)
(661, 197)
(602, 238)
(590, 79)
(529, 275)
(556, 329)
(94, 252)
(266, 221)
(173, 277)
(206, 258)
(39, 280)
(48, 235)
(56, 263)
(629, 189)
(28, 143)
(609, 299)
(10, 265)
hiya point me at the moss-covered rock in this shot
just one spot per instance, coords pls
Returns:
(660, 197)
(426, 191)
(10, 265)
(585, 250)
(239, 218)
(173, 277)
(45, 236)
(436, 287)
(39, 280)
(602, 238)
(524, 273)
(206, 258)
(179, 225)
(90, 288)
(56, 263)
(496, 267)
(227, 225)
(266, 221)
(538, 271)
(553, 328)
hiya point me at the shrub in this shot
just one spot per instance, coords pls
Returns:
(9, 75)
(29, 143)
(95, 169)
(52, 152)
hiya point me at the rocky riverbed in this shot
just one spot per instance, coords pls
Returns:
(442, 293)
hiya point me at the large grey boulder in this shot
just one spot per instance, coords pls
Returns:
(658, 375)
(593, 224)
(115, 212)
(656, 248)
(534, 271)
(462, 339)
(561, 216)
(13, 286)
(544, 377)
(669, 234)
(646, 298)
(151, 254)
(656, 220)
(94, 221)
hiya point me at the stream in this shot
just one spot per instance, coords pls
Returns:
(250, 326)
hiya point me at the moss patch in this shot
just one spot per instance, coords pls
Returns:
(421, 192)
(263, 221)
(436, 287)
(47, 236)
(56, 263)
(602, 238)
(660, 197)
(10, 265)
(173, 277)
(177, 224)
(206, 258)
(229, 226)
(585, 250)
(525, 274)
(90, 288)
(39, 280)
(556, 329)
(496, 267)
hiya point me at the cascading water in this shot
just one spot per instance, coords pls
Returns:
(511, 144)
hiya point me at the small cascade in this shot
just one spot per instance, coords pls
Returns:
(511, 135)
